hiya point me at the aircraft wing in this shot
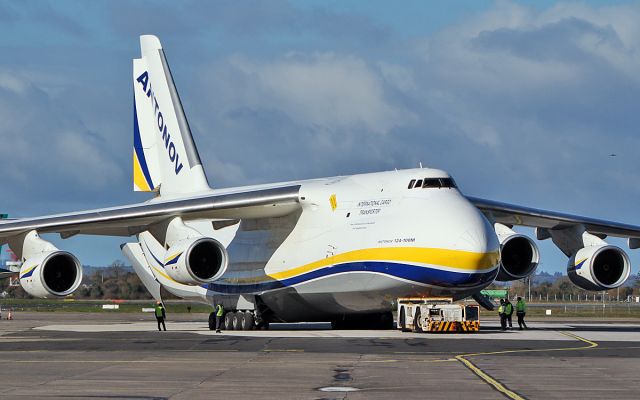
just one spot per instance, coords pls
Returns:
(132, 219)
(510, 214)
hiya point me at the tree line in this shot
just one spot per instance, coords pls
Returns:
(562, 289)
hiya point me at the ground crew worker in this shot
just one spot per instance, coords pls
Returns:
(508, 312)
(503, 317)
(521, 310)
(160, 315)
(219, 315)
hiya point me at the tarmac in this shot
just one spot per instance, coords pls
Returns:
(123, 356)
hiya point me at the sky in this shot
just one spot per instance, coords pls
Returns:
(521, 101)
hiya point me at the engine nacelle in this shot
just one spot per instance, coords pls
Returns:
(196, 261)
(51, 274)
(519, 255)
(599, 267)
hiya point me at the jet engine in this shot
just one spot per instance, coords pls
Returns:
(51, 274)
(519, 255)
(599, 267)
(196, 260)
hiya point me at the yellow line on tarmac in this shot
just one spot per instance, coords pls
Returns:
(283, 350)
(488, 379)
(499, 386)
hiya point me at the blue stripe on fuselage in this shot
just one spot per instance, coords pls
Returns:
(137, 147)
(414, 273)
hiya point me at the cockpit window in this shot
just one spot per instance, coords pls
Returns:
(448, 183)
(432, 183)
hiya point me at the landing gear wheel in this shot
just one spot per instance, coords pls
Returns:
(212, 321)
(235, 321)
(228, 320)
(246, 321)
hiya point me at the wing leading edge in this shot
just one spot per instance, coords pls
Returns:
(132, 219)
(510, 214)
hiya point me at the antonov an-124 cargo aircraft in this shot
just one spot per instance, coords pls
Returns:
(338, 249)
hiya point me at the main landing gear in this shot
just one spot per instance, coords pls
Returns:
(237, 321)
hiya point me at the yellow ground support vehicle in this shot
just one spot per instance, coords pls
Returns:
(436, 314)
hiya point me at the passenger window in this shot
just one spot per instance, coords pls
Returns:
(419, 183)
(411, 184)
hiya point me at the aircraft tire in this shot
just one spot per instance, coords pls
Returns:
(236, 321)
(212, 321)
(247, 321)
(228, 320)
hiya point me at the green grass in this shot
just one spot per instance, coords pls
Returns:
(70, 305)
(588, 310)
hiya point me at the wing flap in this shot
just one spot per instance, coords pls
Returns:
(132, 219)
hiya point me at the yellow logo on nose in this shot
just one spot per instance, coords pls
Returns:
(333, 201)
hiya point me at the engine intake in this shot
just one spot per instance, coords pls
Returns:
(519, 257)
(196, 261)
(599, 267)
(51, 274)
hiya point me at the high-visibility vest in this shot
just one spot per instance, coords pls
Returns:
(520, 307)
(220, 311)
(159, 311)
(501, 310)
(508, 309)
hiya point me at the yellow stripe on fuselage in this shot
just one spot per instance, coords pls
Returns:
(173, 256)
(138, 176)
(163, 274)
(467, 261)
(28, 270)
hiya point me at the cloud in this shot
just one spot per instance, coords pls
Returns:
(48, 147)
(335, 93)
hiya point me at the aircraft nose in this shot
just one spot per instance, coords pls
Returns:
(472, 236)
(478, 234)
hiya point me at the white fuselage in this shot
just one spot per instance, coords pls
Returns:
(360, 242)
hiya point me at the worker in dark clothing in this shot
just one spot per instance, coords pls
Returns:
(508, 312)
(160, 315)
(503, 317)
(219, 315)
(521, 310)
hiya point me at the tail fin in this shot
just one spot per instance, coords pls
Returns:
(165, 158)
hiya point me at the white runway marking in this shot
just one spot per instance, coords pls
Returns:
(542, 331)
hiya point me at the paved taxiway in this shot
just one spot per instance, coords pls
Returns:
(49, 355)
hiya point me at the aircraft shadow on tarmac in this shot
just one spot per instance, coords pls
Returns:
(326, 326)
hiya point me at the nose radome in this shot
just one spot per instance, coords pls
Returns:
(478, 236)
(475, 236)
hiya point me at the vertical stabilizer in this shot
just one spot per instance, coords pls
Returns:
(165, 157)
